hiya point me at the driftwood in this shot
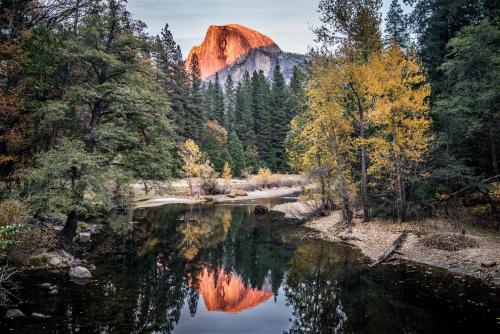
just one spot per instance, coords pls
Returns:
(394, 247)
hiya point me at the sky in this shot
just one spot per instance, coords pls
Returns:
(288, 22)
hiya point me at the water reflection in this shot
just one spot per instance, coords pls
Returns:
(219, 269)
(222, 291)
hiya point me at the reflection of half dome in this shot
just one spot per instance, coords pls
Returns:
(226, 292)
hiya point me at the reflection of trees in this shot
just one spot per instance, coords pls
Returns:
(253, 249)
(202, 229)
(313, 292)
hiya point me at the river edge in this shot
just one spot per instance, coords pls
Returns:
(481, 261)
(251, 195)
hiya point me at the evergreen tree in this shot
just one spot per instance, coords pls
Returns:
(396, 26)
(194, 113)
(229, 104)
(237, 154)
(467, 112)
(436, 22)
(278, 106)
(169, 61)
(218, 100)
(208, 101)
(297, 99)
(262, 119)
(243, 113)
(111, 120)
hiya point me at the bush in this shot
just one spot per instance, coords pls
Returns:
(208, 179)
(9, 235)
(11, 213)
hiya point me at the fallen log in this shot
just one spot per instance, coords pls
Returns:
(394, 247)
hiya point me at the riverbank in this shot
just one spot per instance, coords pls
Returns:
(251, 188)
(459, 249)
(237, 197)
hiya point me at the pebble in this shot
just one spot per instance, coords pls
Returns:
(14, 313)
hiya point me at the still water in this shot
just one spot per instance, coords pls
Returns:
(220, 269)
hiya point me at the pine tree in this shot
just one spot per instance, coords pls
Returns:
(169, 61)
(218, 100)
(297, 99)
(262, 119)
(243, 113)
(208, 101)
(194, 113)
(278, 106)
(112, 120)
(237, 154)
(396, 26)
(229, 104)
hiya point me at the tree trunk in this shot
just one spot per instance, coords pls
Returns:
(493, 148)
(69, 229)
(322, 183)
(400, 195)
(364, 173)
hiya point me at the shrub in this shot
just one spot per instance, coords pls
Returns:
(11, 213)
(208, 179)
(9, 235)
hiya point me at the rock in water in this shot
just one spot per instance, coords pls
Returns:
(79, 272)
(84, 237)
(14, 313)
(233, 49)
(39, 315)
(260, 210)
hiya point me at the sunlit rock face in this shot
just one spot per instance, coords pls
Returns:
(233, 49)
(226, 292)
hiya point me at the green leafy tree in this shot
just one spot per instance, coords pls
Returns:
(113, 114)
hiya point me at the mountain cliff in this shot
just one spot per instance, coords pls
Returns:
(233, 49)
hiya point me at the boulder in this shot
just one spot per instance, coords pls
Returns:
(55, 262)
(79, 272)
(84, 237)
(46, 285)
(261, 210)
(14, 313)
(489, 264)
(39, 315)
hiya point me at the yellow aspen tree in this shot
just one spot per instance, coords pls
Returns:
(227, 175)
(192, 160)
(321, 141)
(400, 120)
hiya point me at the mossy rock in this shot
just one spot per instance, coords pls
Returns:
(39, 260)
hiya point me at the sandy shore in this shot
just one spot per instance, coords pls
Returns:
(251, 195)
(431, 242)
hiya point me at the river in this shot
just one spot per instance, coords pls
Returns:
(217, 268)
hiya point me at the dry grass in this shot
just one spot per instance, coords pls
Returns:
(12, 212)
(266, 179)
